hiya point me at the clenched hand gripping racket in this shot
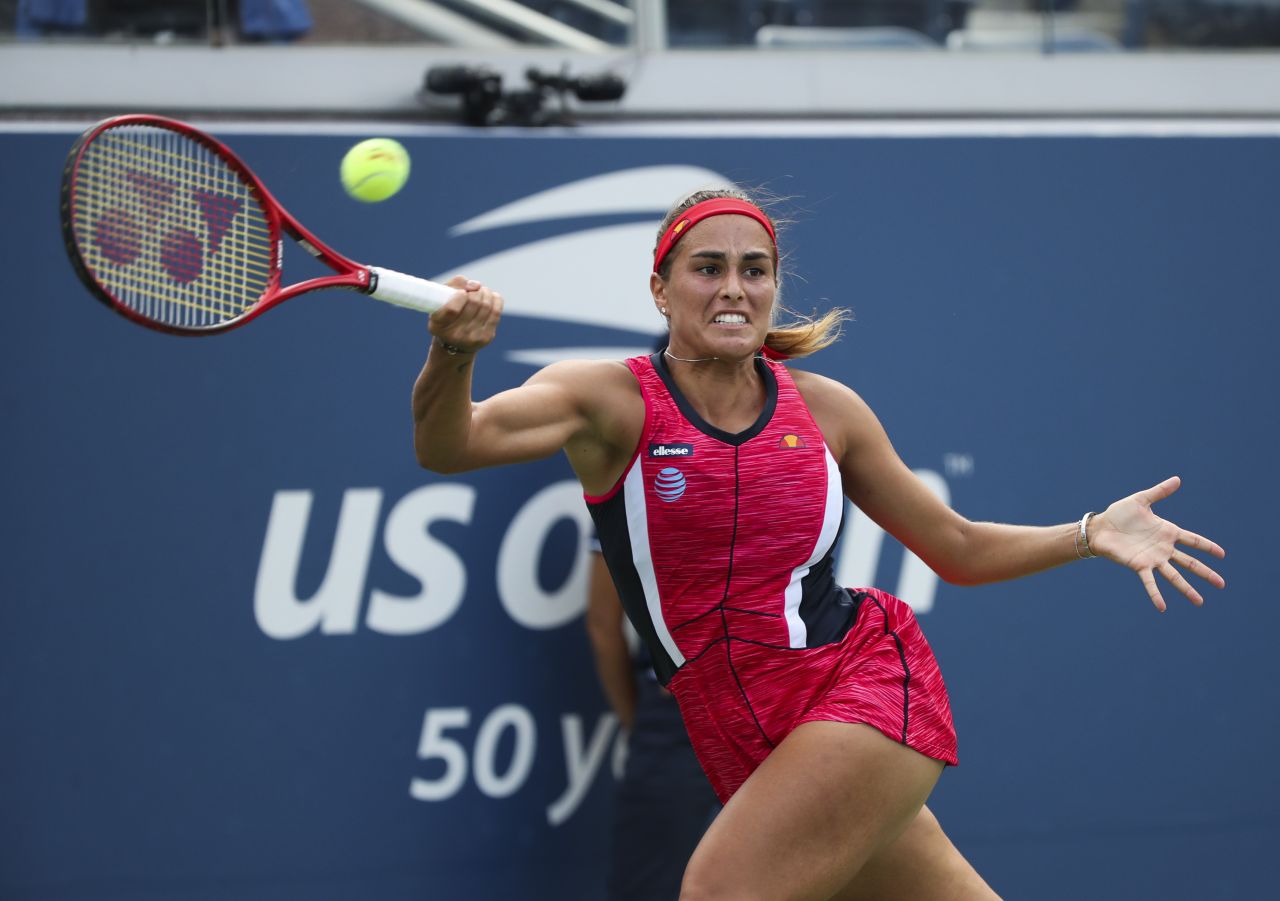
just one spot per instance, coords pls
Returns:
(168, 227)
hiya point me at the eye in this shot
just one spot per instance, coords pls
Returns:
(709, 269)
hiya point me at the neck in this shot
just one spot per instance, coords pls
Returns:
(670, 356)
(728, 395)
(696, 373)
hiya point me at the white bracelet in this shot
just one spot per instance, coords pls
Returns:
(1083, 551)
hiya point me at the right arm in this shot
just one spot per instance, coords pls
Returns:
(451, 433)
(565, 405)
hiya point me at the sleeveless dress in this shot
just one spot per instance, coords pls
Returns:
(721, 547)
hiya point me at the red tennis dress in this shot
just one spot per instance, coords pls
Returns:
(721, 548)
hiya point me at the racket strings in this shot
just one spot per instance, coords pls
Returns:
(169, 228)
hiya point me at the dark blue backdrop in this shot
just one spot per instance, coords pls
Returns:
(1045, 324)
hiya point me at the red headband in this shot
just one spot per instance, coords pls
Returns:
(704, 210)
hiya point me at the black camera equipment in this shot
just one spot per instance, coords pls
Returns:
(481, 89)
(485, 103)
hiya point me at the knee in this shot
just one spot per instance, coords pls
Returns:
(927, 822)
(695, 886)
(702, 883)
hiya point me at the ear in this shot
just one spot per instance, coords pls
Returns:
(658, 288)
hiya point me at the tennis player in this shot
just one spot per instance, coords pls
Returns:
(716, 478)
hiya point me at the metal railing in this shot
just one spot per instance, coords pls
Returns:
(599, 26)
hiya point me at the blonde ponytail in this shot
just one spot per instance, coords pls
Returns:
(805, 335)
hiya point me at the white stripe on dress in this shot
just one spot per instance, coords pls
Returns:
(638, 528)
(796, 629)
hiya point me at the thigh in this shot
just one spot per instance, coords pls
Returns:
(820, 806)
(920, 865)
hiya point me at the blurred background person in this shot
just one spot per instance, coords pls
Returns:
(663, 803)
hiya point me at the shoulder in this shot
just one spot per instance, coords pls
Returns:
(840, 412)
(823, 393)
(604, 392)
(606, 395)
(586, 377)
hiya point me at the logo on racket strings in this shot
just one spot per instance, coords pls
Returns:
(152, 214)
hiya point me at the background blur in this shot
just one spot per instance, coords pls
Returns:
(248, 650)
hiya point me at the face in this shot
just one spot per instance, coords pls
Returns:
(719, 295)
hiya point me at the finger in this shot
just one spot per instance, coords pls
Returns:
(495, 312)
(1177, 581)
(1159, 492)
(1153, 591)
(480, 305)
(463, 285)
(1192, 565)
(473, 324)
(1200, 543)
(449, 311)
(457, 313)
(444, 316)
(473, 305)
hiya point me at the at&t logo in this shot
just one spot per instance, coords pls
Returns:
(669, 484)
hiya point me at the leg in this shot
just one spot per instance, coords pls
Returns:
(920, 864)
(823, 803)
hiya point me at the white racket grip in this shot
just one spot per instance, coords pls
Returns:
(408, 290)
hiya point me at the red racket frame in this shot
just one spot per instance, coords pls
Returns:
(349, 274)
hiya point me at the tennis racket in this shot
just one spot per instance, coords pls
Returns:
(168, 227)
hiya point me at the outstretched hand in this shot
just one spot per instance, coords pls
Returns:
(1131, 534)
(468, 320)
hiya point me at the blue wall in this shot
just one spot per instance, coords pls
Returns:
(1043, 325)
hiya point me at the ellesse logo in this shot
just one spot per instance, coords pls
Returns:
(670, 450)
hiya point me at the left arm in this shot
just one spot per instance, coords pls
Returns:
(971, 553)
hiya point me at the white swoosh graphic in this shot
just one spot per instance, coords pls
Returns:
(599, 276)
(543, 356)
(647, 189)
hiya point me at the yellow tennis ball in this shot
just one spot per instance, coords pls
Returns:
(375, 169)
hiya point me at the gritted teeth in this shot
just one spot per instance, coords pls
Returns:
(731, 318)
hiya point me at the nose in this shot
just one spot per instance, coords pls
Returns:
(731, 289)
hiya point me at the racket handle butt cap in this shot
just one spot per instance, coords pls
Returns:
(407, 290)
